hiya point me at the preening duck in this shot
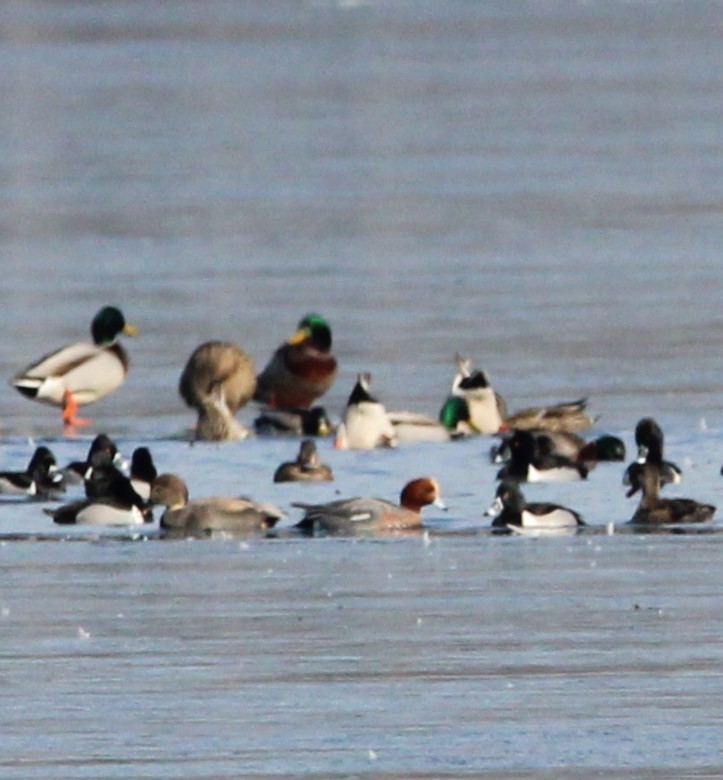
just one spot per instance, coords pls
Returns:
(487, 413)
(217, 380)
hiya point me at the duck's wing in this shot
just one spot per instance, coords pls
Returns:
(57, 363)
(569, 416)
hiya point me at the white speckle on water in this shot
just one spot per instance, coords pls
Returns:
(373, 755)
(82, 633)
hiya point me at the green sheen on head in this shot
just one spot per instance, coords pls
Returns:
(107, 324)
(453, 412)
(318, 328)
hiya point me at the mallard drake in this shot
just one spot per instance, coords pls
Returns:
(306, 468)
(301, 370)
(360, 515)
(487, 413)
(80, 374)
(217, 380)
(365, 423)
(296, 422)
(205, 516)
(480, 410)
(649, 440)
(528, 464)
(656, 511)
(510, 509)
(143, 472)
(41, 479)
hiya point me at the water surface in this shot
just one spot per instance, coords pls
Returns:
(536, 185)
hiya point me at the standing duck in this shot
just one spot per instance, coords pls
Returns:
(41, 479)
(80, 374)
(656, 511)
(649, 440)
(364, 515)
(365, 423)
(306, 468)
(301, 370)
(217, 380)
(510, 509)
(204, 516)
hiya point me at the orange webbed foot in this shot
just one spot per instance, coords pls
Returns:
(70, 410)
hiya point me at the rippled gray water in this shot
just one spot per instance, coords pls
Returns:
(534, 184)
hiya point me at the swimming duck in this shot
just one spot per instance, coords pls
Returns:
(528, 464)
(511, 509)
(104, 480)
(205, 516)
(297, 422)
(110, 499)
(649, 440)
(487, 411)
(217, 380)
(656, 511)
(360, 515)
(567, 445)
(75, 472)
(143, 472)
(41, 479)
(80, 374)
(301, 370)
(306, 468)
(365, 423)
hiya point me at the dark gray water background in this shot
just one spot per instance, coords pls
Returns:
(534, 184)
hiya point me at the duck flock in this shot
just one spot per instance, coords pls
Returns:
(542, 444)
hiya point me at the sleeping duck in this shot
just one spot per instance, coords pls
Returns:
(301, 370)
(82, 373)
